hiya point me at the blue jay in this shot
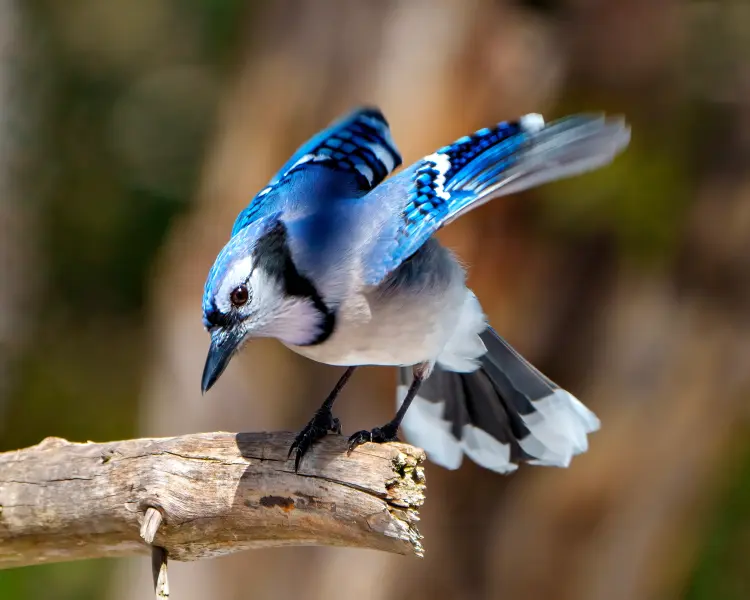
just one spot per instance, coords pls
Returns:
(341, 265)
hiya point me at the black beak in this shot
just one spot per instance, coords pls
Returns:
(223, 346)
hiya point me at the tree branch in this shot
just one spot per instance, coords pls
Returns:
(204, 495)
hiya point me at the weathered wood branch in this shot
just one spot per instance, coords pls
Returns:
(210, 494)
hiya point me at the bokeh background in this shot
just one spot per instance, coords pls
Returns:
(132, 132)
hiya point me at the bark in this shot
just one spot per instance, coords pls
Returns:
(204, 495)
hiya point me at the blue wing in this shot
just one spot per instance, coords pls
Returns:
(347, 159)
(510, 157)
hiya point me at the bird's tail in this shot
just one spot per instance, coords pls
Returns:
(501, 414)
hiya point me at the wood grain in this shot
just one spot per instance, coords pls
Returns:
(216, 493)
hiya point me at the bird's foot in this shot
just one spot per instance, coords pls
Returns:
(322, 422)
(379, 435)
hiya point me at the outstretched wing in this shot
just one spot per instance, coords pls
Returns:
(345, 160)
(510, 157)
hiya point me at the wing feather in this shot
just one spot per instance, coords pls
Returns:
(508, 158)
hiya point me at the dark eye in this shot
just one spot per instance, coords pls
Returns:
(239, 295)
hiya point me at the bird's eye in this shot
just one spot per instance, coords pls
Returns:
(239, 295)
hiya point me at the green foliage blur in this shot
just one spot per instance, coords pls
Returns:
(119, 144)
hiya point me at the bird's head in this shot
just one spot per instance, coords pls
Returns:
(255, 290)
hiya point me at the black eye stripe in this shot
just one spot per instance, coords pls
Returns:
(216, 318)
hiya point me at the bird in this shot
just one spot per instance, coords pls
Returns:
(337, 259)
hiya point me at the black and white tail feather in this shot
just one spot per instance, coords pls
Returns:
(483, 399)
(491, 404)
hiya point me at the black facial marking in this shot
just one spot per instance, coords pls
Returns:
(216, 318)
(273, 256)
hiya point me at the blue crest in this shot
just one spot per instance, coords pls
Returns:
(238, 247)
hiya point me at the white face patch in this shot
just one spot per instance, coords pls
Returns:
(235, 277)
(297, 322)
(270, 312)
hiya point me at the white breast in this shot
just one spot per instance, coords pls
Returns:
(401, 331)
(398, 328)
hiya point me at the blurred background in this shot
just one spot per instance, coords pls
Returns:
(132, 132)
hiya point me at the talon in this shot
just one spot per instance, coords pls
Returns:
(319, 426)
(379, 435)
(297, 461)
(357, 439)
(291, 449)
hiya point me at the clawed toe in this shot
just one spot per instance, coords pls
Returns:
(359, 438)
(379, 435)
(319, 426)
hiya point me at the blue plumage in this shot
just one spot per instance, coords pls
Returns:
(490, 144)
(236, 248)
(510, 157)
(340, 264)
(348, 158)
(441, 185)
(441, 181)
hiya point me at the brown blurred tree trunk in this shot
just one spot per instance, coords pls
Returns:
(669, 373)
(665, 361)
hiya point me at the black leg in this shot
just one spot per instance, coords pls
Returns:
(389, 431)
(322, 422)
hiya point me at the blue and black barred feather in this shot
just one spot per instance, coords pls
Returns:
(360, 144)
(355, 153)
(510, 157)
(461, 166)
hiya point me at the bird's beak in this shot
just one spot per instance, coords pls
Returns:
(223, 346)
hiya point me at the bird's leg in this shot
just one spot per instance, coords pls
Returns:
(322, 422)
(389, 431)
